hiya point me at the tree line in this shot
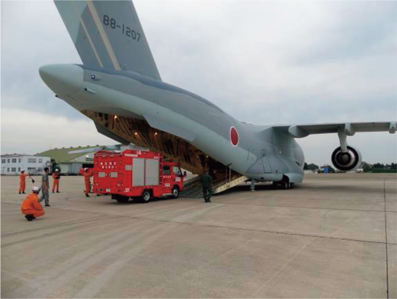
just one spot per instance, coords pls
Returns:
(380, 168)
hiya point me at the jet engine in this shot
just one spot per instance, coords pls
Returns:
(346, 161)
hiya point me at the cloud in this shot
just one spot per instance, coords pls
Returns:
(33, 35)
(32, 132)
(271, 62)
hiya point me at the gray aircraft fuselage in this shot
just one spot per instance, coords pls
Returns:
(258, 152)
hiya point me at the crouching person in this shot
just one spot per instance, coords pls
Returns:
(31, 207)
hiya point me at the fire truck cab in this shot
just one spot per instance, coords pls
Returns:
(134, 174)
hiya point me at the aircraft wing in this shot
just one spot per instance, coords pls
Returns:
(349, 129)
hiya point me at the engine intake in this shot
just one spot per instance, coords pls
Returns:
(346, 161)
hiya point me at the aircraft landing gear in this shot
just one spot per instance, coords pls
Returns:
(283, 184)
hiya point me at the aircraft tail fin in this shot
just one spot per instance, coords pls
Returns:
(108, 34)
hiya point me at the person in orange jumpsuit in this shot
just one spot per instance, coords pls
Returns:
(22, 181)
(31, 207)
(87, 175)
(56, 176)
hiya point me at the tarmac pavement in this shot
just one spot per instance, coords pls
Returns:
(332, 236)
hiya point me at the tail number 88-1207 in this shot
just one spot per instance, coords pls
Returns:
(112, 23)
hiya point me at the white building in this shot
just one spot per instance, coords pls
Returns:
(13, 164)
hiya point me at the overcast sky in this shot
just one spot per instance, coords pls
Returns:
(263, 62)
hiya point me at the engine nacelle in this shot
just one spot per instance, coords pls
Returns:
(347, 161)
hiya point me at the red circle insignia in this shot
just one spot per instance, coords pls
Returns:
(233, 136)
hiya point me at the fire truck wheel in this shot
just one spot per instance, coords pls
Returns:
(146, 196)
(175, 192)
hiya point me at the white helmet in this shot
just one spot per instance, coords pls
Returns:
(86, 169)
(36, 189)
(57, 170)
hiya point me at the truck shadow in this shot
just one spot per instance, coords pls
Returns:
(137, 201)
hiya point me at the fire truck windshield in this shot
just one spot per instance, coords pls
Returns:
(177, 171)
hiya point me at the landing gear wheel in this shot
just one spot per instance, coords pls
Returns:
(175, 192)
(146, 196)
(285, 183)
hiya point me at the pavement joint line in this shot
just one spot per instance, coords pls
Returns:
(387, 258)
(53, 226)
(195, 268)
(292, 207)
(279, 232)
(218, 226)
(275, 206)
(48, 234)
(225, 227)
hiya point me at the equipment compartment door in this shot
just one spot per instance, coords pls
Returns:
(152, 172)
(138, 172)
(265, 162)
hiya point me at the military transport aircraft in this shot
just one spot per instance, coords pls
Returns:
(120, 89)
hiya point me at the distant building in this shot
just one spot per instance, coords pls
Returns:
(70, 164)
(14, 163)
(324, 169)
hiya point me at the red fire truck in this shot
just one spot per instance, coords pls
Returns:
(136, 174)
